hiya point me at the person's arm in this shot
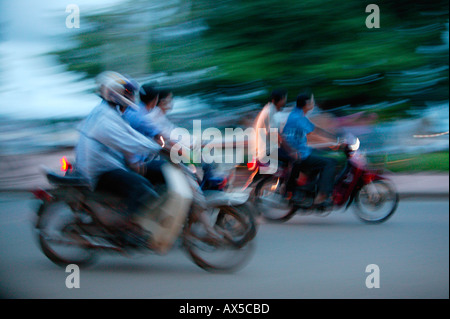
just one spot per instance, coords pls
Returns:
(323, 139)
(148, 127)
(288, 148)
(324, 133)
(320, 136)
(123, 138)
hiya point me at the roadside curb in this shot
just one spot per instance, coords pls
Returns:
(419, 196)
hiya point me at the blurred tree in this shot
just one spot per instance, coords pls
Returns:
(321, 46)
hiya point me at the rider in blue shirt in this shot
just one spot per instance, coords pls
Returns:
(297, 127)
(143, 122)
(139, 119)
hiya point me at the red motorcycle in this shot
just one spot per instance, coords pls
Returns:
(374, 195)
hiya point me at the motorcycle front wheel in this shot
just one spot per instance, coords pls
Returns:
(376, 202)
(232, 249)
(58, 235)
(270, 202)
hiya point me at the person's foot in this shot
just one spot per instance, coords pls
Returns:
(288, 195)
(326, 203)
(320, 199)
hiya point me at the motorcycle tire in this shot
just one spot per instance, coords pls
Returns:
(48, 213)
(268, 212)
(240, 224)
(362, 199)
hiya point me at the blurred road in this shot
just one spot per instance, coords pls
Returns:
(307, 257)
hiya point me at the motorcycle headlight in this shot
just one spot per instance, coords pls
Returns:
(355, 146)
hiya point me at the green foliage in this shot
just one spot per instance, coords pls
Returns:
(323, 46)
(437, 161)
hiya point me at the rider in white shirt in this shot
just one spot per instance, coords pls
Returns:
(270, 144)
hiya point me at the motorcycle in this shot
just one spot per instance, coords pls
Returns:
(374, 196)
(215, 228)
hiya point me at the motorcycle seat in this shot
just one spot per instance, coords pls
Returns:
(74, 180)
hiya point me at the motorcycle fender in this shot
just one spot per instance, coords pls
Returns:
(351, 200)
(353, 195)
(220, 198)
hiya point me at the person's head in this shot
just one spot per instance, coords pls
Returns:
(148, 95)
(116, 89)
(165, 100)
(278, 98)
(130, 89)
(305, 102)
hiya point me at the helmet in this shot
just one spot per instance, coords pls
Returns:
(116, 88)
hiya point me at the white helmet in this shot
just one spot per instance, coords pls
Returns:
(116, 88)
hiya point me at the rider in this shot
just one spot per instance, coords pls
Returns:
(165, 100)
(158, 114)
(165, 126)
(297, 127)
(269, 119)
(143, 120)
(139, 119)
(107, 145)
(151, 121)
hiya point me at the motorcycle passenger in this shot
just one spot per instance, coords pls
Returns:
(297, 127)
(158, 114)
(267, 120)
(165, 126)
(151, 121)
(165, 100)
(107, 145)
(143, 121)
(139, 119)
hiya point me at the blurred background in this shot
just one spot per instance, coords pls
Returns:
(389, 85)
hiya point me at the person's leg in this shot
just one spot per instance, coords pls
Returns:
(153, 172)
(295, 171)
(327, 176)
(283, 156)
(136, 189)
(327, 168)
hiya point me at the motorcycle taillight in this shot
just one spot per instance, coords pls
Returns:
(251, 166)
(65, 164)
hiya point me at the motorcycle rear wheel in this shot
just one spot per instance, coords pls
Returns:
(57, 235)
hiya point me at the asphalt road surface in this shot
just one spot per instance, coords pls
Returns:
(306, 257)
